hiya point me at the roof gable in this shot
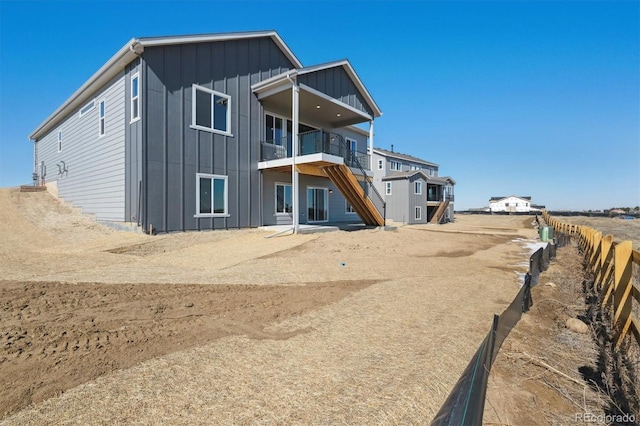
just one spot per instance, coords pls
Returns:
(316, 76)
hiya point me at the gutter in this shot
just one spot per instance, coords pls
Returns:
(110, 69)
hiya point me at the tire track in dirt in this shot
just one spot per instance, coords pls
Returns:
(55, 336)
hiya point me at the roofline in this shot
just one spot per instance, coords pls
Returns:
(377, 112)
(203, 38)
(526, 198)
(130, 51)
(398, 155)
(110, 69)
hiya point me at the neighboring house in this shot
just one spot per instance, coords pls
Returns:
(196, 132)
(413, 191)
(512, 204)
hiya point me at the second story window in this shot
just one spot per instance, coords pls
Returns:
(59, 141)
(101, 118)
(135, 97)
(210, 111)
(396, 165)
(387, 187)
(417, 188)
(380, 164)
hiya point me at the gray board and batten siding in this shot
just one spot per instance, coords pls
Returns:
(133, 147)
(94, 179)
(335, 82)
(175, 153)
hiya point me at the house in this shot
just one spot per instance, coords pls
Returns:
(213, 131)
(412, 189)
(512, 204)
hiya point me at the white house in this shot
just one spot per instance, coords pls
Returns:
(512, 204)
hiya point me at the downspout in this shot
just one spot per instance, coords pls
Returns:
(295, 92)
(36, 176)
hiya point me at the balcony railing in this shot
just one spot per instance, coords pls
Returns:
(438, 198)
(314, 142)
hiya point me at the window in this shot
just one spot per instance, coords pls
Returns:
(396, 165)
(348, 207)
(88, 107)
(388, 188)
(135, 97)
(211, 196)
(417, 187)
(418, 212)
(284, 198)
(59, 141)
(431, 172)
(210, 111)
(414, 167)
(101, 116)
(380, 164)
(353, 148)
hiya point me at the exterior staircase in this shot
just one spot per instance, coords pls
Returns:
(439, 214)
(342, 176)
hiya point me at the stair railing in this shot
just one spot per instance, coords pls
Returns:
(353, 161)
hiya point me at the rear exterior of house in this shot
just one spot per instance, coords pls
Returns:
(413, 191)
(196, 132)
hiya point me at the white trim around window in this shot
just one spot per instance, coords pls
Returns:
(285, 209)
(135, 97)
(387, 190)
(380, 164)
(417, 187)
(418, 215)
(348, 208)
(88, 107)
(59, 140)
(102, 113)
(212, 195)
(207, 110)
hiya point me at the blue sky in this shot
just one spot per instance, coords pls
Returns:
(513, 97)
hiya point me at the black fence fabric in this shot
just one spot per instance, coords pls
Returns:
(465, 404)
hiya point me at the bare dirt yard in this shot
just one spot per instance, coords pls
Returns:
(99, 326)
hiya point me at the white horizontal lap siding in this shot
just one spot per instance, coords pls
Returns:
(95, 180)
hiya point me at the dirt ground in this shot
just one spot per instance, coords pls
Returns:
(100, 327)
(621, 229)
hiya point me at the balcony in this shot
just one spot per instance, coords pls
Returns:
(314, 142)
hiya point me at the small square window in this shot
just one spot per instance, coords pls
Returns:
(212, 195)
(349, 207)
(211, 110)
